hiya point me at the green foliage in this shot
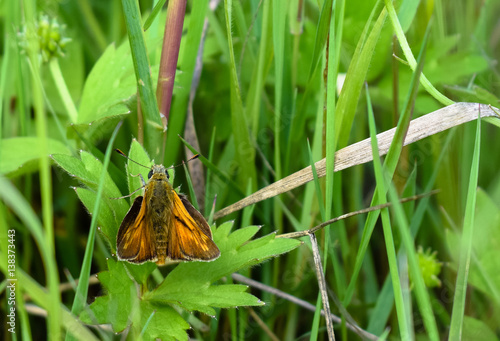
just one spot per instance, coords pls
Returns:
(485, 263)
(87, 170)
(18, 154)
(121, 306)
(109, 86)
(189, 285)
(475, 329)
(268, 85)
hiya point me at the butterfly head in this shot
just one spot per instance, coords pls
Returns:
(158, 172)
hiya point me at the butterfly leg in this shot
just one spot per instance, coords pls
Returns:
(129, 195)
(142, 179)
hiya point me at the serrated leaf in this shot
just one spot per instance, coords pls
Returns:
(236, 253)
(138, 154)
(88, 172)
(74, 167)
(232, 295)
(240, 236)
(17, 152)
(221, 296)
(107, 219)
(188, 286)
(94, 168)
(122, 307)
(114, 307)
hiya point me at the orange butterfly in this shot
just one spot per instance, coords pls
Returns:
(163, 226)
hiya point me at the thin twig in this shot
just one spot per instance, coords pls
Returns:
(301, 303)
(322, 285)
(304, 233)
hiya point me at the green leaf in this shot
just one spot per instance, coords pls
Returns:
(87, 170)
(140, 272)
(94, 168)
(122, 307)
(188, 285)
(80, 298)
(455, 68)
(138, 154)
(109, 86)
(75, 168)
(107, 219)
(17, 152)
(477, 330)
(484, 274)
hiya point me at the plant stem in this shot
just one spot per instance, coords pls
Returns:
(61, 87)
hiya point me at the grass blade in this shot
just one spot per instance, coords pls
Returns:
(245, 152)
(279, 19)
(382, 309)
(458, 312)
(420, 289)
(156, 10)
(356, 74)
(404, 329)
(82, 289)
(409, 55)
(148, 104)
(321, 34)
(390, 166)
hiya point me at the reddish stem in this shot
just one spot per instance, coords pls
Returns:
(169, 56)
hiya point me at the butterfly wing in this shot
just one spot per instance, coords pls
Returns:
(190, 237)
(196, 215)
(134, 240)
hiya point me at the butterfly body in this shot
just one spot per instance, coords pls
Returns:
(163, 226)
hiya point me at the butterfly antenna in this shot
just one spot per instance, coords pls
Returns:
(125, 156)
(194, 157)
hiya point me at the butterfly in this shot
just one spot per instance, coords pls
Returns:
(163, 226)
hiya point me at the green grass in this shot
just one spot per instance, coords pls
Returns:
(265, 105)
